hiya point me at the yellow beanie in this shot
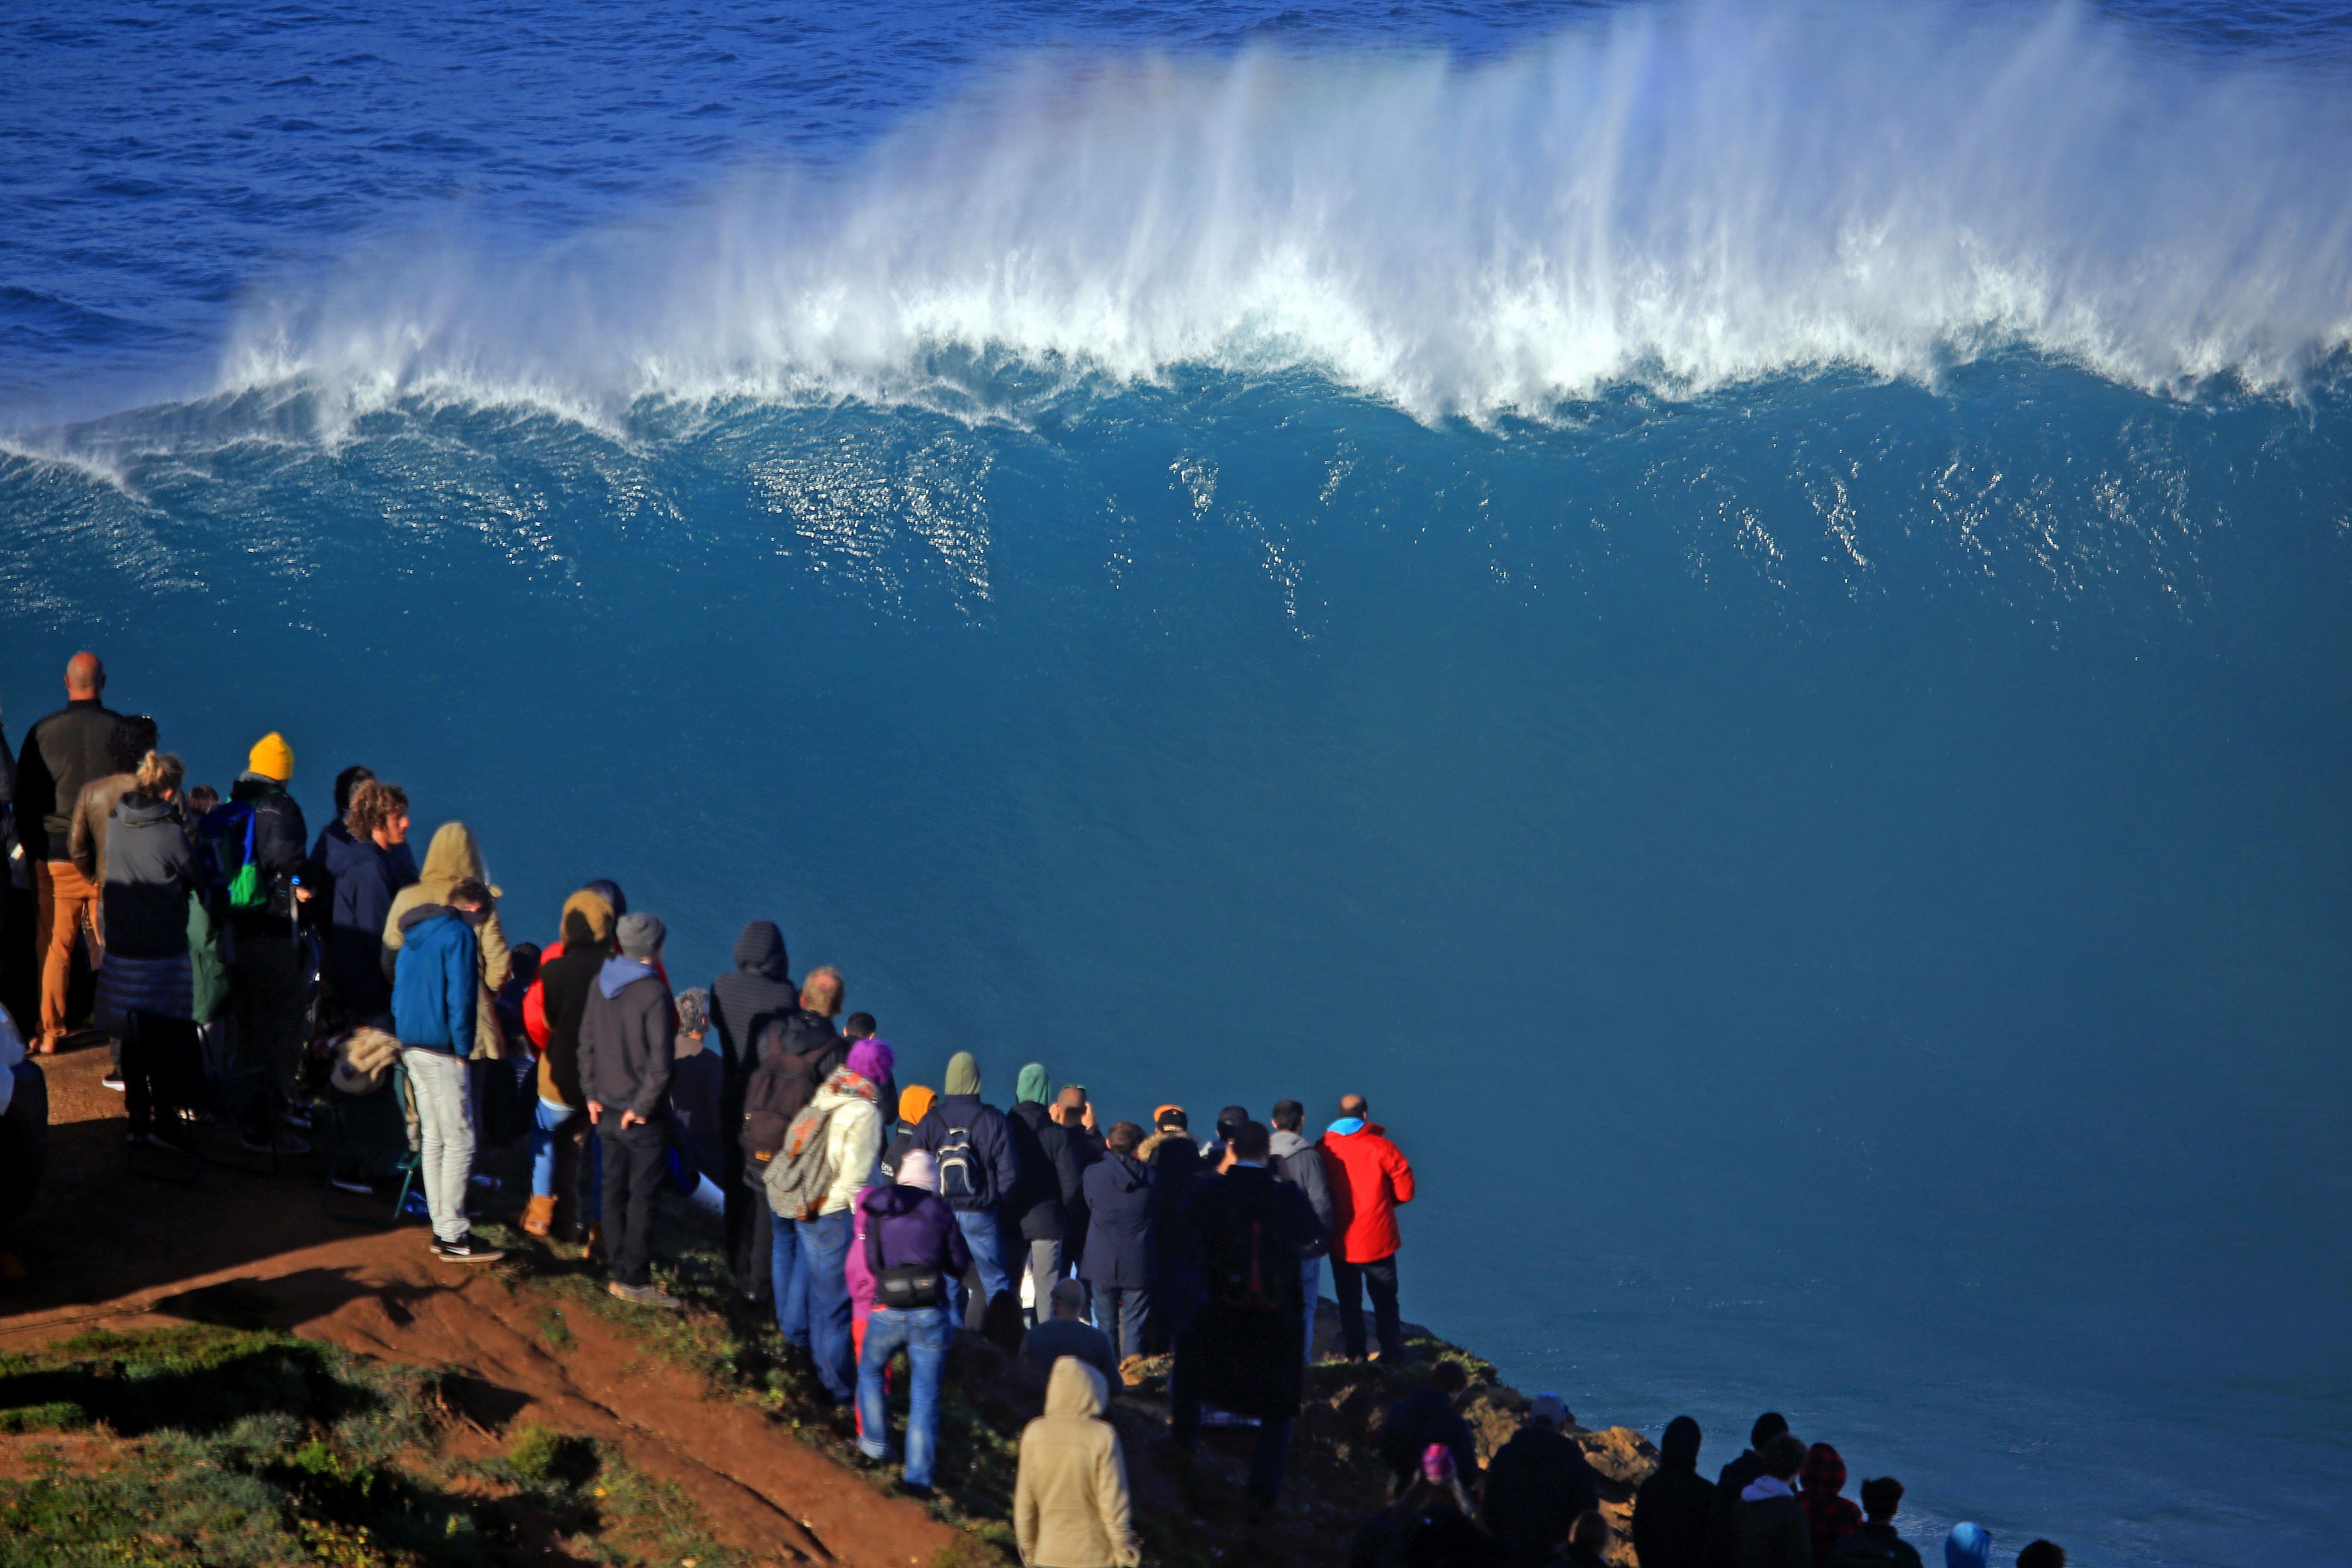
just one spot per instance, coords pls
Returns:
(272, 757)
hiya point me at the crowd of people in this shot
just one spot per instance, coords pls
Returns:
(248, 973)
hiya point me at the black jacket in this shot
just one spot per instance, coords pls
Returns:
(151, 869)
(757, 990)
(1723, 1532)
(629, 1041)
(280, 840)
(1121, 1200)
(564, 981)
(1872, 1546)
(1536, 1485)
(62, 753)
(1248, 1361)
(1049, 1174)
(992, 1146)
(1673, 1514)
(1421, 1418)
(1177, 1162)
(1774, 1533)
(355, 882)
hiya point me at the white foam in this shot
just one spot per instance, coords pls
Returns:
(1687, 197)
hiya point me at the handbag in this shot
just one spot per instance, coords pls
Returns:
(910, 1286)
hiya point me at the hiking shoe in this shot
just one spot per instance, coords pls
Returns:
(539, 1215)
(645, 1296)
(113, 1080)
(468, 1250)
(352, 1185)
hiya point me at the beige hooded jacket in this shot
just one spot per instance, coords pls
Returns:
(454, 857)
(1070, 1504)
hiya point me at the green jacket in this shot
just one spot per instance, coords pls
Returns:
(207, 968)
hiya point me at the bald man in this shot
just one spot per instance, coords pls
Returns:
(62, 753)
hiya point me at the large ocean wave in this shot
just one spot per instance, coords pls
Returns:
(1686, 198)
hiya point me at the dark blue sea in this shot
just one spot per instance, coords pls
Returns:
(1740, 612)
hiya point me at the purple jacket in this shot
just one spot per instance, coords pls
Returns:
(908, 1225)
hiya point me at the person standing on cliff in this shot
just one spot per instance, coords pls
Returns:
(1539, 1484)
(270, 981)
(435, 995)
(972, 1148)
(628, 1051)
(1876, 1544)
(1676, 1506)
(1295, 1160)
(1371, 1179)
(1771, 1527)
(62, 753)
(759, 990)
(1723, 1537)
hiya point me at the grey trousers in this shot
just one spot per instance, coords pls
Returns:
(445, 1127)
(1045, 1270)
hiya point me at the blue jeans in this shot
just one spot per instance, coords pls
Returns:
(788, 1272)
(1266, 1456)
(924, 1333)
(985, 1236)
(544, 1123)
(824, 1258)
(1310, 1285)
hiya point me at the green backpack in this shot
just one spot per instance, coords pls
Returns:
(245, 890)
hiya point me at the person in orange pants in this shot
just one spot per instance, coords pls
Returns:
(62, 753)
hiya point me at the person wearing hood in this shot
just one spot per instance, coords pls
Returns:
(151, 870)
(792, 1056)
(1723, 1535)
(1301, 1164)
(560, 1128)
(1433, 1523)
(363, 862)
(1968, 1546)
(850, 1101)
(1049, 1174)
(973, 1147)
(62, 753)
(1876, 1543)
(435, 993)
(1831, 1518)
(1772, 1530)
(1070, 1506)
(628, 1042)
(915, 1102)
(1370, 1180)
(269, 978)
(758, 990)
(914, 1246)
(1427, 1416)
(1539, 1484)
(1676, 1506)
(1122, 1206)
(1177, 1169)
(452, 857)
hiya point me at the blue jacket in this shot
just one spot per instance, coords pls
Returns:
(1121, 1200)
(435, 980)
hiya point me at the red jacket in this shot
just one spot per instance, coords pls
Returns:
(1368, 1179)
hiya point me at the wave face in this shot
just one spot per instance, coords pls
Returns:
(1686, 198)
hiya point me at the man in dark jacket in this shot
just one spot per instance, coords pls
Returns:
(1427, 1416)
(62, 753)
(1876, 1544)
(1175, 1160)
(973, 1147)
(628, 1043)
(759, 990)
(269, 978)
(1676, 1506)
(363, 861)
(1240, 1352)
(1036, 1209)
(791, 1056)
(1772, 1528)
(1723, 1535)
(1301, 1164)
(1122, 1201)
(1538, 1485)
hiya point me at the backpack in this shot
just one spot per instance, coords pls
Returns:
(229, 864)
(802, 1172)
(1252, 1255)
(961, 1176)
(778, 1090)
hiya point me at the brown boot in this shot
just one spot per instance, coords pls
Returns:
(539, 1215)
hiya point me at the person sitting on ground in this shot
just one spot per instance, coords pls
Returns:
(1876, 1544)
(1117, 1267)
(1240, 1352)
(1428, 1416)
(628, 1044)
(1772, 1529)
(849, 1102)
(364, 867)
(1177, 1168)
(1968, 1546)
(2042, 1554)
(1432, 1523)
(1587, 1540)
(1676, 1506)
(1068, 1332)
(1723, 1535)
(1370, 1180)
(1830, 1516)
(914, 1246)
(914, 1104)
(978, 1170)
(1049, 1168)
(1538, 1485)
(435, 987)
(1070, 1507)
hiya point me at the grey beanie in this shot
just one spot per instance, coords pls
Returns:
(641, 935)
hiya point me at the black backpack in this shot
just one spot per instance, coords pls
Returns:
(780, 1087)
(961, 1176)
(1252, 1254)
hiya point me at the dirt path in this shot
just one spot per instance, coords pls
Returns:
(105, 1249)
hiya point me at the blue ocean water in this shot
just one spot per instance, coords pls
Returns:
(1737, 612)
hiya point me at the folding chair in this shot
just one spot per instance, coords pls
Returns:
(367, 1147)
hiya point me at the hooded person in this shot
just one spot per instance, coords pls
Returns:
(435, 993)
(1049, 1177)
(1427, 1416)
(560, 1128)
(1772, 1530)
(1070, 1505)
(453, 858)
(628, 1045)
(915, 1102)
(850, 1102)
(1830, 1516)
(1539, 1484)
(972, 1146)
(1968, 1546)
(744, 1000)
(914, 1246)
(1676, 1506)
(1432, 1523)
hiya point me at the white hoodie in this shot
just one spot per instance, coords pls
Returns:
(853, 1137)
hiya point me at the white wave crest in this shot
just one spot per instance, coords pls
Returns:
(1687, 197)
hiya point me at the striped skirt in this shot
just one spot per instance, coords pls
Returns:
(128, 986)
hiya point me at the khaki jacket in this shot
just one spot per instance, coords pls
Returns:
(1070, 1505)
(454, 857)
